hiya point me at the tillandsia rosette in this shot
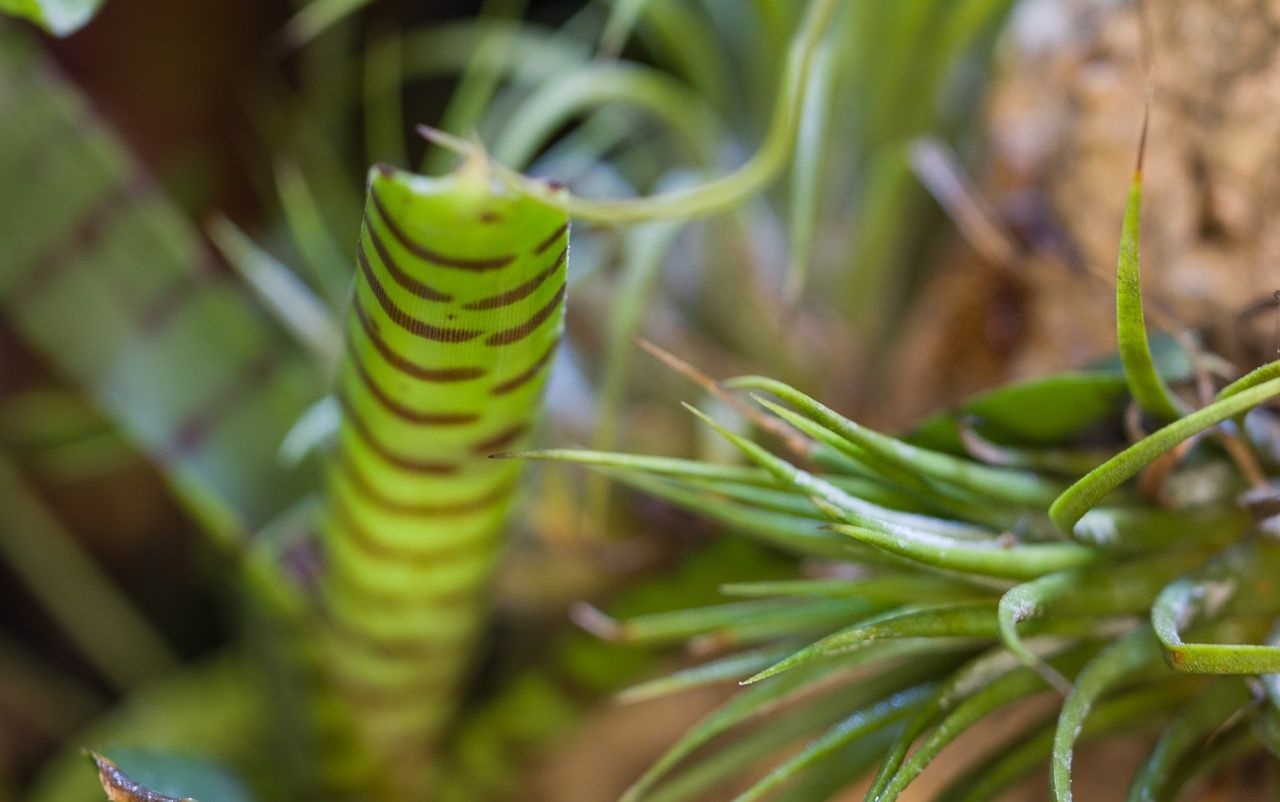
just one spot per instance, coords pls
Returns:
(997, 552)
(455, 318)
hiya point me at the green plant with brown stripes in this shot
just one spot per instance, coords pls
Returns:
(457, 311)
(986, 558)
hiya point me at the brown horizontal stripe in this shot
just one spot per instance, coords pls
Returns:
(523, 291)
(351, 417)
(527, 375)
(181, 291)
(423, 509)
(437, 375)
(87, 231)
(531, 325)
(197, 427)
(428, 557)
(551, 238)
(408, 282)
(403, 319)
(499, 441)
(435, 257)
(401, 411)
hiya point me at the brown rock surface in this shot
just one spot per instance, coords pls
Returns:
(1062, 130)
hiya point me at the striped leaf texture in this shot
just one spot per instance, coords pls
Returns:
(103, 277)
(457, 311)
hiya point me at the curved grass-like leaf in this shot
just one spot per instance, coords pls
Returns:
(1105, 590)
(457, 314)
(1018, 756)
(1196, 722)
(968, 679)
(1243, 578)
(1135, 656)
(1145, 383)
(1018, 684)
(1082, 496)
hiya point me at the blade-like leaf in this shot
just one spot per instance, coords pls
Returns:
(1134, 657)
(456, 317)
(1148, 388)
(107, 280)
(1082, 496)
(1196, 722)
(1244, 579)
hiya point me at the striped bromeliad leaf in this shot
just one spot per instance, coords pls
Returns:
(105, 279)
(456, 315)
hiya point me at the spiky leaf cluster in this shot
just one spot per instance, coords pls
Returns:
(982, 560)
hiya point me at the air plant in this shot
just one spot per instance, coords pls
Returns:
(998, 553)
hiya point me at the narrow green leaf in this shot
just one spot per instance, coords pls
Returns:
(1014, 686)
(74, 591)
(1134, 657)
(956, 620)
(326, 264)
(299, 311)
(760, 618)
(1105, 590)
(1019, 755)
(768, 696)
(665, 466)
(851, 509)
(1082, 496)
(1146, 385)
(1199, 720)
(1011, 486)
(902, 588)
(1242, 578)
(795, 534)
(318, 16)
(993, 558)
(858, 725)
(1259, 375)
(731, 667)
(978, 673)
